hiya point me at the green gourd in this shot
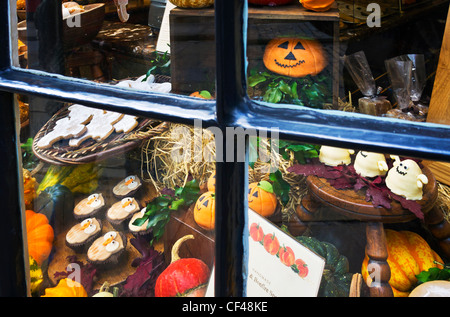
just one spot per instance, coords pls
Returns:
(336, 278)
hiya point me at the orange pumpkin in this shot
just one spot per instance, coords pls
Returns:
(260, 200)
(294, 57)
(408, 255)
(204, 211)
(211, 184)
(317, 5)
(40, 236)
(66, 288)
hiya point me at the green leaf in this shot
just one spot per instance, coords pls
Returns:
(281, 188)
(205, 94)
(273, 95)
(256, 79)
(266, 186)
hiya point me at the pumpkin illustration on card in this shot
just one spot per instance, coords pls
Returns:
(294, 57)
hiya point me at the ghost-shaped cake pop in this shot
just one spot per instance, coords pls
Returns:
(334, 156)
(370, 164)
(406, 179)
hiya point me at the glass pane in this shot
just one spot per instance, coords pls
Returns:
(353, 56)
(106, 203)
(318, 216)
(137, 44)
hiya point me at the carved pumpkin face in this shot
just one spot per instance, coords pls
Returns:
(294, 57)
(261, 201)
(204, 211)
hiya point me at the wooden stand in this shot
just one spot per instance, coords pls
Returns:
(353, 205)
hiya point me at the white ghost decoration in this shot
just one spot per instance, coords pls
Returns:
(334, 156)
(406, 179)
(370, 164)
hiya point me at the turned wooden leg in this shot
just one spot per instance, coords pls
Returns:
(439, 228)
(304, 212)
(378, 267)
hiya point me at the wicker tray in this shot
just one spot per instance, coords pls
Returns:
(90, 150)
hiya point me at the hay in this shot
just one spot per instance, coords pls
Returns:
(171, 158)
(443, 200)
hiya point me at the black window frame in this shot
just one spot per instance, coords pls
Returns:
(232, 108)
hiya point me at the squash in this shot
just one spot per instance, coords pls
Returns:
(66, 288)
(294, 57)
(408, 255)
(317, 5)
(187, 277)
(192, 3)
(336, 277)
(205, 210)
(30, 186)
(261, 198)
(56, 203)
(39, 235)
(211, 184)
(81, 178)
(36, 276)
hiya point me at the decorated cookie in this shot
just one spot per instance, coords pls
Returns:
(80, 236)
(406, 179)
(90, 206)
(126, 124)
(121, 212)
(99, 128)
(370, 164)
(334, 156)
(64, 128)
(107, 250)
(127, 187)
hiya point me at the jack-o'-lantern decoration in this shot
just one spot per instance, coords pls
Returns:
(205, 210)
(294, 57)
(211, 184)
(317, 5)
(261, 198)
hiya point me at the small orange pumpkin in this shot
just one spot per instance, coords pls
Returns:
(408, 255)
(40, 236)
(294, 57)
(317, 5)
(66, 288)
(211, 184)
(261, 198)
(204, 211)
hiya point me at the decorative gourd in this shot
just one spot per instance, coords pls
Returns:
(205, 210)
(317, 5)
(294, 57)
(203, 94)
(408, 255)
(211, 184)
(66, 288)
(336, 277)
(192, 3)
(36, 276)
(40, 236)
(105, 292)
(271, 3)
(187, 277)
(56, 203)
(29, 188)
(261, 198)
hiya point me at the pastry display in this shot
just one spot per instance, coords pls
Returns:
(107, 250)
(81, 235)
(127, 187)
(90, 206)
(370, 164)
(406, 179)
(334, 156)
(121, 212)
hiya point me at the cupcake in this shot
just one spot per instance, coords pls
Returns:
(80, 236)
(121, 212)
(127, 187)
(108, 250)
(142, 230)
(89, 207)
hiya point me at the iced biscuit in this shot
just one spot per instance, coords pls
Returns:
(126, 124)
(65, 128)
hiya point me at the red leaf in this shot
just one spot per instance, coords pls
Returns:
(318, 170)
(411, 205)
